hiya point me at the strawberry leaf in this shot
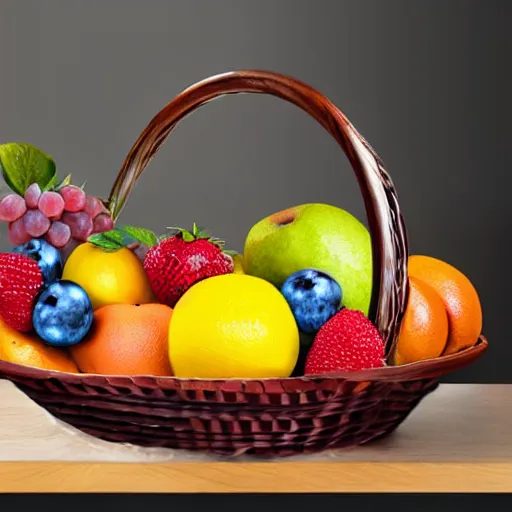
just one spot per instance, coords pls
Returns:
(197, 233)
(22, 164)
(187, 236)
(201, 233)
(142, 235)
(230, 252)
(217, 242)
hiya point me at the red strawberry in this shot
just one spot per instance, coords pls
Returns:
(346, 342)
(20, 282)
(176, 263)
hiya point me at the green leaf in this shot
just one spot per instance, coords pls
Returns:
(51, 184)
(125, 236)
(142, 235)
(23, 164)
(230, 252)
(187, 236)
(218, 242)
(196, 233)
(201, 233)
(64, 183)
(112, 240)
(104, 242)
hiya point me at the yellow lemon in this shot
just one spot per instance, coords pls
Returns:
(233, 326)
(108, 277)
(238, 260)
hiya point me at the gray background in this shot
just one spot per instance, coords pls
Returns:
(426, 82)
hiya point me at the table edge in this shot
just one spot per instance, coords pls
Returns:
(260, 477)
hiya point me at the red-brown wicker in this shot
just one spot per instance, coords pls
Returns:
(269, 417)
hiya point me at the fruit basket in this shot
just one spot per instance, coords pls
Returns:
(260, 416)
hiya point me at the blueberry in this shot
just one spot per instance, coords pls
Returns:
(47, 257)
(313, 296)
(63, 314)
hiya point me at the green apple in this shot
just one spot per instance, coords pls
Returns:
(318, 236)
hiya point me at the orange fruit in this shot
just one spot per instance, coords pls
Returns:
(126, 339)
(30, 350)
(424, 330)
(460, 299)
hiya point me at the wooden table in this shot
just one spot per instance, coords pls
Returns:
(459, 439)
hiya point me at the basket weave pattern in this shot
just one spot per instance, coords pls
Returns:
(278, 417)
(275, 417)
(231, 418)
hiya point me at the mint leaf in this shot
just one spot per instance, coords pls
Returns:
(125, 236)
(112, 240)
(142, 235)
(23, 164)
(104, 242)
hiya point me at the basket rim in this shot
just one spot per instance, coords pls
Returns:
(430, 368)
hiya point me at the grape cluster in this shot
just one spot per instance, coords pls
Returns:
(58, 216)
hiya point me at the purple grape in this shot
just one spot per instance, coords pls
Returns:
(74, 198)
(51, 204)
(102, 223)
(17, 233)
(80, 224)
(32, 195)
(36, 223)
(93, 206)
(12, 207)
(59, 234)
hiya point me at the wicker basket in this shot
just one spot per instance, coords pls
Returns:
(275, 417)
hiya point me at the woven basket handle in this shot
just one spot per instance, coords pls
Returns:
(386, 225)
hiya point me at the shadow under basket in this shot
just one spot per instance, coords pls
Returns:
(264, 417)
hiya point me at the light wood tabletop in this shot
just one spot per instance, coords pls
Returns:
(459, 439)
